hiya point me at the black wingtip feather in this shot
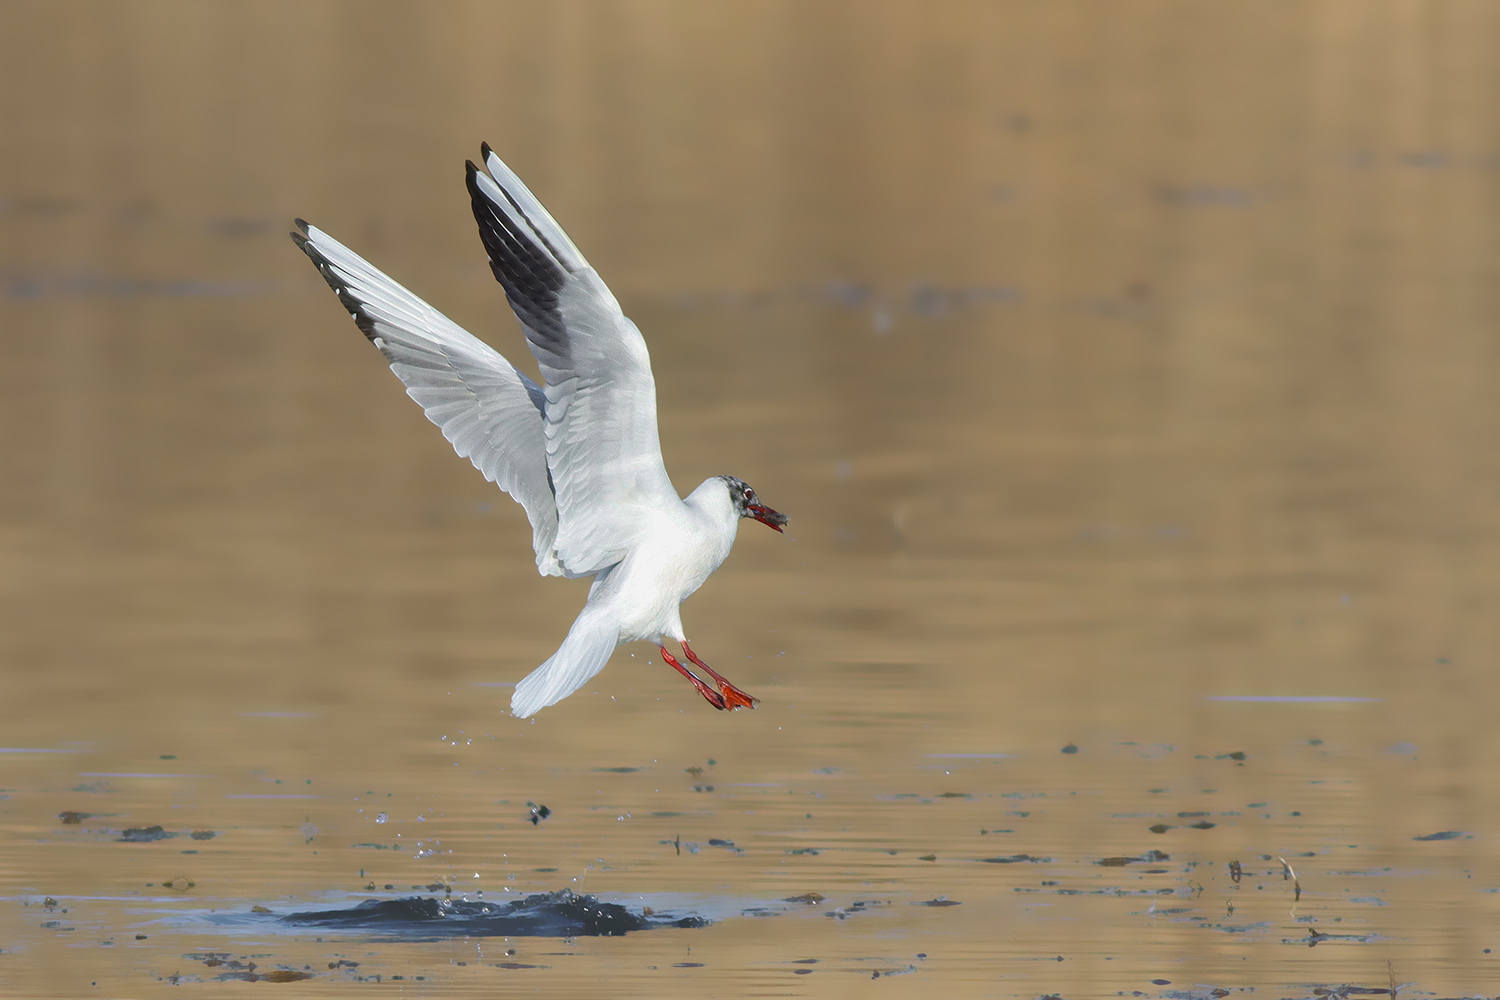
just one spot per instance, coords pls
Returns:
(351, 305)
(484, 150)
(530, 276)
(299, 236)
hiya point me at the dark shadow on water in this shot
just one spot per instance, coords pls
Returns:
(549, 914)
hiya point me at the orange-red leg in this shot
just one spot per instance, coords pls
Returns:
(733, 696)
(713, 697)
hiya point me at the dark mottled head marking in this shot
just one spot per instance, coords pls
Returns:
(747, 504)
(740, 494)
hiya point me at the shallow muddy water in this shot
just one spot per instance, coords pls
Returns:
(1127, 371)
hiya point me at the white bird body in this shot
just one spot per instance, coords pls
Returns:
(579, 452)
(687, 545)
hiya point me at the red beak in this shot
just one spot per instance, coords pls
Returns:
(770, 518)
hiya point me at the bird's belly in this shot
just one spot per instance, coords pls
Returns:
(648, 596)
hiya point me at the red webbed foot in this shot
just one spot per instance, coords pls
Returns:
(732, 696)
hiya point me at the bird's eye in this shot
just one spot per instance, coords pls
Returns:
(750, 495)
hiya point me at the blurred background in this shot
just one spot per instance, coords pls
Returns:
(1126, 369)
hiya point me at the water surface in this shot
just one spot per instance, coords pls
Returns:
(1127, 372)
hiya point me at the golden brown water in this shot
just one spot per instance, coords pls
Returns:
(1111, 359)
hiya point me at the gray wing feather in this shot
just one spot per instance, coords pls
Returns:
(602, 446)
(490, 412)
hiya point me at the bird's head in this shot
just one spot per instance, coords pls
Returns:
(746, 504)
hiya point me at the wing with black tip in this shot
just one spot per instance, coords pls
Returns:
(491, 413)
(600, 416)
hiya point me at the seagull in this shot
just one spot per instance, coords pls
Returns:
(579, 451)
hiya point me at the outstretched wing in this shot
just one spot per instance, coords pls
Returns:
(489, 411)
(600, 417)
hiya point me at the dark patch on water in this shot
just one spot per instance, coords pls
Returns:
(549, 914)
(1315, 938)
(1014, 859)
(1444, 835)
(1340, 992)
(858, 906)
(245, 970)
(144, 834)
(1122, 862)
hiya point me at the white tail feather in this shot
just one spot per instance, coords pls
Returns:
(582, 655)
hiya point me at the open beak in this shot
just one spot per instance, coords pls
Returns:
(770, 518)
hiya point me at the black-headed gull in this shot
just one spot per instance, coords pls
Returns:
(580, 452)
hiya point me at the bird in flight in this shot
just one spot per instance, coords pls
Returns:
(579, 451)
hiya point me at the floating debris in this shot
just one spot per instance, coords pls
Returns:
(144, 835)
(1287, 873)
